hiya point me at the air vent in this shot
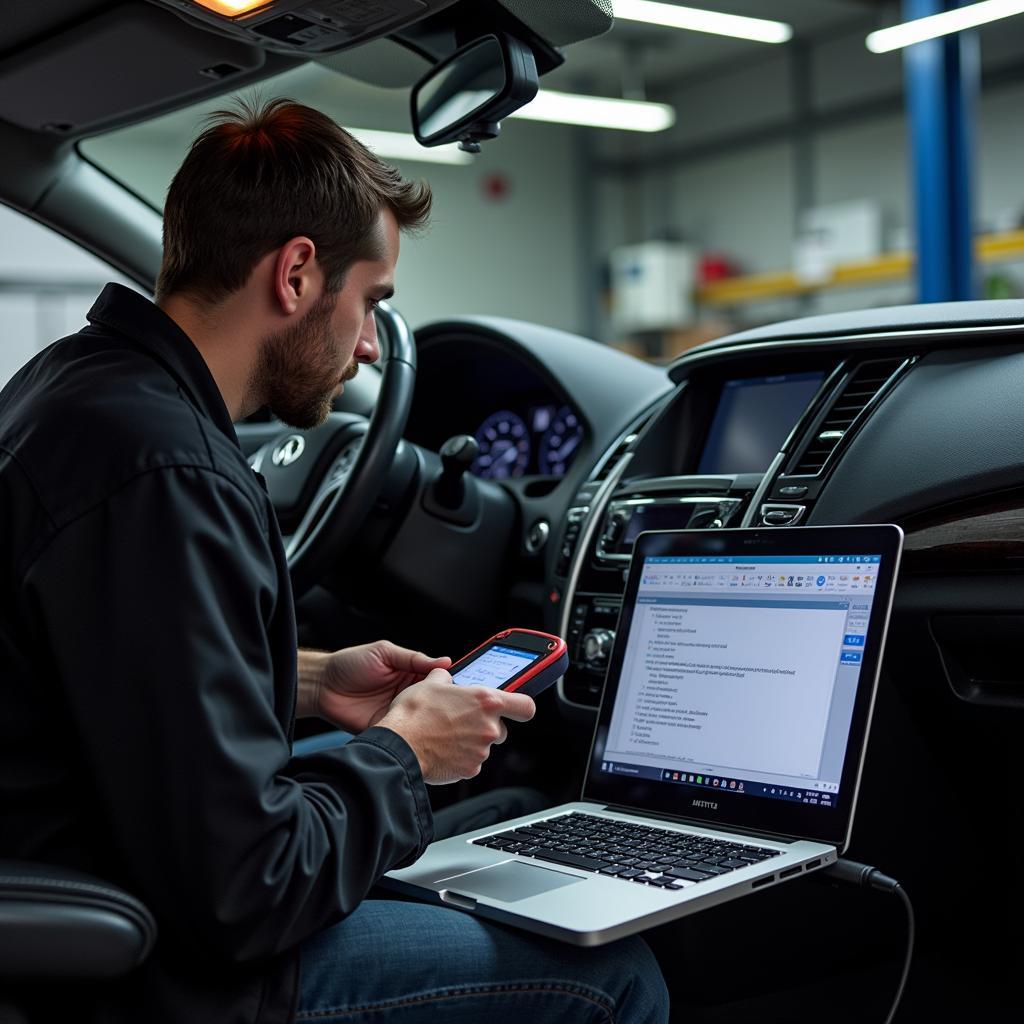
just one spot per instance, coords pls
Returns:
(612, 459)
(613, 455)
(857, 393)
(573, 525)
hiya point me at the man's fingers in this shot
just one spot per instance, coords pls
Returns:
(405, 660)
(517, 706)
(423, 663)
(438, 675)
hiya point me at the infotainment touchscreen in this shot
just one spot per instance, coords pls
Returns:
(753, 418)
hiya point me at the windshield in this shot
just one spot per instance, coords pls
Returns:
(520, 195)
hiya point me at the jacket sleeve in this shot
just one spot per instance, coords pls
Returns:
(153, 606)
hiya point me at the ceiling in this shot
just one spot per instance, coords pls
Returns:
(632, 59)
(641, 57)
(656, 54)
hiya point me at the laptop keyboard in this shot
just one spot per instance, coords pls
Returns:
(622, 849)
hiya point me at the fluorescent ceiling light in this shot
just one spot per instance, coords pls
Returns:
(399, 146)
(943, 24)
(759, 30)
(598, 112)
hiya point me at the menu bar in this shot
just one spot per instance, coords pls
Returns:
(820, 794)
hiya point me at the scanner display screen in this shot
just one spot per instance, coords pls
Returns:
(496, 666)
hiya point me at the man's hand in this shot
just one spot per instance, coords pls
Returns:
(451, 728)
(354, 687)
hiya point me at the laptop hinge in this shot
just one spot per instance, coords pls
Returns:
(679, 820)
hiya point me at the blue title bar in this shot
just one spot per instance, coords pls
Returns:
(766, 560)
(528, 655)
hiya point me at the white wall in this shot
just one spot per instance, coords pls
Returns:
(1000, 177)
(868, 159)
(47, 285)
(738, 206)
(519, 256)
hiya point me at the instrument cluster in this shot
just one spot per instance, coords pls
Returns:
(540, 439)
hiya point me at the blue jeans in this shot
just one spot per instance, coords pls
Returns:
(396, 961)
(392, 961)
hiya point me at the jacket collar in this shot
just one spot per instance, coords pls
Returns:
(140, 321)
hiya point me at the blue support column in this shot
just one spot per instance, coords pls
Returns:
(942, 77)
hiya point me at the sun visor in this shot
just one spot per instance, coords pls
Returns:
(116, 66)
(382, 62)
(563, 22)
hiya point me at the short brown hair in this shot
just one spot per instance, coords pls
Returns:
(267, 172)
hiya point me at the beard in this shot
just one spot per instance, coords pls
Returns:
(297, 369)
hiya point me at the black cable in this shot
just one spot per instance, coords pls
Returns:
(850, 872)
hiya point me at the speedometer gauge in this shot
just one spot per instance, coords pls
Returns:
(504, 446)
(560, 442)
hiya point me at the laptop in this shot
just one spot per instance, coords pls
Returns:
(728, 747)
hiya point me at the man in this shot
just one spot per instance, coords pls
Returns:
(149, 679)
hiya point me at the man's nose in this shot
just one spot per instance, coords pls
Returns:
(368, 350)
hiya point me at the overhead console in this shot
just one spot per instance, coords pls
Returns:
(310, 26)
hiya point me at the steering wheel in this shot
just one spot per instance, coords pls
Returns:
(328, 478)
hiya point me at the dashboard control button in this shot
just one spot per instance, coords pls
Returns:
(537, 536)
(782, 515)
(597, 645)
(613, 531)
(792, 491)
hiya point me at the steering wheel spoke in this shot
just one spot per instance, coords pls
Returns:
(332, 485)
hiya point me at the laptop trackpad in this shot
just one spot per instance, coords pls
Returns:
(509, 881)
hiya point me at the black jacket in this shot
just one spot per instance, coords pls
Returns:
(148, 680)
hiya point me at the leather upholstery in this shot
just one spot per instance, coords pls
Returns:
(62, 924)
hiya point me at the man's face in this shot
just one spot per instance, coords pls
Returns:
(302, 368)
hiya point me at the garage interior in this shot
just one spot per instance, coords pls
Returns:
(796, 175)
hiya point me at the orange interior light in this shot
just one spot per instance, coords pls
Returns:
(232, 8)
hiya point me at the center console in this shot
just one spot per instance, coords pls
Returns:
(727, 449)
(699, 463)
(596, 552)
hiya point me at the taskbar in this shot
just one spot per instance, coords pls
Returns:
(747, 787)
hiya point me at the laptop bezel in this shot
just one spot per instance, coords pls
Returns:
(724, 808)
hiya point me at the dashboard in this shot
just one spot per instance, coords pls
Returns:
(837, 419)
(522, 421)
(908, 428)
(910, 416)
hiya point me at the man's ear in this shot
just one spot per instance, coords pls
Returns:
(297, 279)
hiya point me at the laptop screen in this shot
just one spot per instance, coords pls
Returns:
(742, 661)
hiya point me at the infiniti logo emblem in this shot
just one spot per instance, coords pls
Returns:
(288, 450)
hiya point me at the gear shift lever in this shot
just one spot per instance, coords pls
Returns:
(457, 455)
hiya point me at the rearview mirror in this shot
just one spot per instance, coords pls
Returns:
(464, 98)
